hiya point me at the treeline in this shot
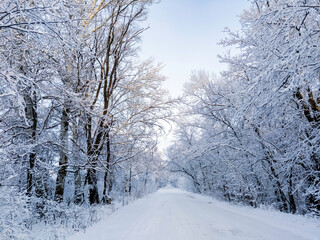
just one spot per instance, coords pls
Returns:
(79, 111)
(252, 136)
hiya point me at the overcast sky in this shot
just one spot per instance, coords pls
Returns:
(183, 35)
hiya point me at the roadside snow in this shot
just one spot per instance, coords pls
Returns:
(172, 214)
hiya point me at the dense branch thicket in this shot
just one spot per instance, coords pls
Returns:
(253, 136)
(79, 112)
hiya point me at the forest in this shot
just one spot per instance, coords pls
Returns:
(81, 114)
(252, 135)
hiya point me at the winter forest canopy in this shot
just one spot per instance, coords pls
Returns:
(81, 113)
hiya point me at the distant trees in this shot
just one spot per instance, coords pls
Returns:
(258, 124)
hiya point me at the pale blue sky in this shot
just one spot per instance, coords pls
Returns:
(183, 35)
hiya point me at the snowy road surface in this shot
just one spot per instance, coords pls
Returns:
(172, 214)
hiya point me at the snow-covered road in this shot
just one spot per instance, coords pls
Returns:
(172, 214)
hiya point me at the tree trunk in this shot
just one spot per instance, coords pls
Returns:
(110, 183)
(106, 198)
(130, 181)
(279, 190)
(94, 146)
(292, 204)
(32, 118)
(145, 180)
(92, 181)
(78, 192)
(78, 188)
(313, 182)
(63, 162)
(94, 150)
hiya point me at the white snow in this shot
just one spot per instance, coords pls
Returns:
(173, 214)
